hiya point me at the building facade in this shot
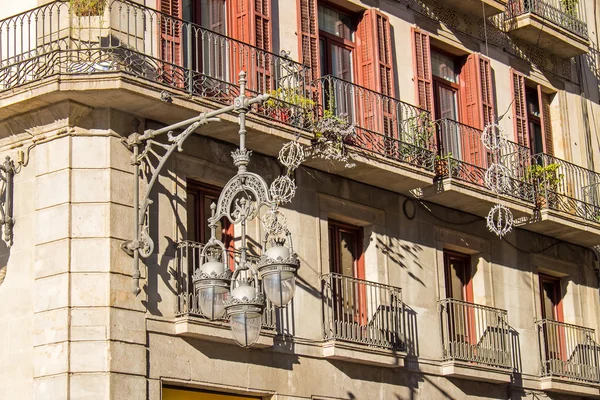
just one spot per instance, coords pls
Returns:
(403, 292)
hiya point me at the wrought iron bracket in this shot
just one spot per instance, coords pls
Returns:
(154, 155)
(7, 173)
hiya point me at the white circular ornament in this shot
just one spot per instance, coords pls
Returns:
(291, 155)
(497, 178)
(500, 220)
(282, 189)
(274, 222)
(493, 137)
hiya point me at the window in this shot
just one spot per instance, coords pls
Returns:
(346, 259)
(199, 199)
(531, 110)
(550, 297)
(457, 271)
(336, 43)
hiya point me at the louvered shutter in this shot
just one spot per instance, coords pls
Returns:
(251, 25)
(544, 99)
(309, 36)
(170, 39)
(422, 67)
(487, 92)
(519, 108)
(375, 72)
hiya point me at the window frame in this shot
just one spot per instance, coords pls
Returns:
(330, 39)
(468, 287)
(438, 81)
(201, 191)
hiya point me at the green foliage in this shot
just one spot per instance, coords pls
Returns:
(86, 8)
(421, 130)
(570, 7)
(546, 177)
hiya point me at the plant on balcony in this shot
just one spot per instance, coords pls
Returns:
(289, 106)
(87, 8)
(570, 7)
(419, 136)
(332, 135)
(547, 181)
(445, 165)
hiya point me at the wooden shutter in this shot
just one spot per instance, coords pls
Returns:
(375, 71)
(422, 67)
(544, 99)
(170, 37)
(519, 108)
(309, 36)
(251, 23)
(477, 92)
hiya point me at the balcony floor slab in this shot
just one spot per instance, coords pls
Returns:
(565, 227)
(362, 354)
(476, 372)
(473, 7)
(566, 386)
(470, 198)
(540, 32)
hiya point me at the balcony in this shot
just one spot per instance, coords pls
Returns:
(190, 321)
(367, 314)
(477, 7)
(140, 52)
(569, 356)
(557, 26)
(475, 341)
(568, 197)
(392, 131)
(460, 172)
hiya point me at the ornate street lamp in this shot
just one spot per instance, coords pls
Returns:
(238, 295)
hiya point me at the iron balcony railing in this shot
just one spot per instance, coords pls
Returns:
(475, 333)
(462, 156)
(385, 125)
(364, 312)
(130, 38)
(566, 187)
(568, 14)
(187, 260)
(568, 351)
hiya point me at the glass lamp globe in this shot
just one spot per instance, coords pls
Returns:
(244, 308)
(279, 287)
(211, 300)
(277, 269)
(211, 281)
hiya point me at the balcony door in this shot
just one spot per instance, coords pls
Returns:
(445, 98)
(554, 334)
(459, 286)
(346, 259)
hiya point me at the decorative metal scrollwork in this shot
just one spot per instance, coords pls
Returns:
(7, 173)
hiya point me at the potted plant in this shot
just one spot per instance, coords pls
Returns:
(87, 8)
(332, 135)
(418, 140)
(288, 106)
(444, 165)
(546, 182)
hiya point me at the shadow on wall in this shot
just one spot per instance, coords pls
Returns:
(411, 332)
(402, 255)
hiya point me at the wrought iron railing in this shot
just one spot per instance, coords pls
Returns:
(140, 41)
(385, 125)
(187, 260)
(568, 351)
(568, 14)
(475, 333)
(361, 311)
(462, 156)
(566, 187)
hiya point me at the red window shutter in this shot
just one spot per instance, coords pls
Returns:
(422, 67)
(469, 92)
(375, 71)
(546, 122)
(519, 108)
(487, 92)
(309, 36)
(477, 92)
(170, 36)
(251, 23)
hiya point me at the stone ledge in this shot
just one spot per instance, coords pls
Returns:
(566, 227)
(476, 372)
(567, 386)
(362, 354)
(215, 331)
